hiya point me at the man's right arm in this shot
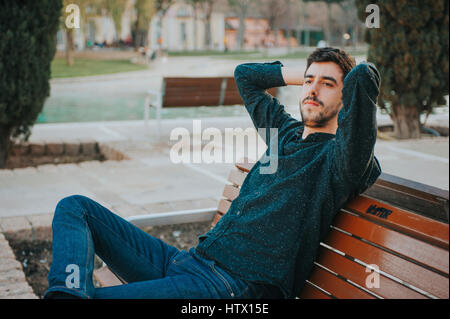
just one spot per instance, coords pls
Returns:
(252, 80)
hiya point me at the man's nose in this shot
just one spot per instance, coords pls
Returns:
(313, 90)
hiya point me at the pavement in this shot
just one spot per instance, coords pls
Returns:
(149, 181)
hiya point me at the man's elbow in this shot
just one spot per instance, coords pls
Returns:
(239, 72)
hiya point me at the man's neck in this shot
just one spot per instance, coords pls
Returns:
(330, 129)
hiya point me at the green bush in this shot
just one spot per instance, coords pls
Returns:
(27, 46)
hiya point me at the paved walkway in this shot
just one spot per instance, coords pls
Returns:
(150, 182)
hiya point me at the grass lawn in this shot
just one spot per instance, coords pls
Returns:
(88, 67)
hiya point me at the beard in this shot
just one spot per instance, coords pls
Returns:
(321, 114)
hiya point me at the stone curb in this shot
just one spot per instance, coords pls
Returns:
(13, 284)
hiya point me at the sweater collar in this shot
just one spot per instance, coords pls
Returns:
(314, 137)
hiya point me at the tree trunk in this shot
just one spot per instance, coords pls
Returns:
(195, 17)
(328, 26)
(208, 35)
(240, 34)
(406, 122)
(5, 134)
(69, 46)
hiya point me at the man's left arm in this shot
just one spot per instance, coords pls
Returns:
(357, 127)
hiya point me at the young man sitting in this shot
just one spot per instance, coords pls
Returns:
(265, 246)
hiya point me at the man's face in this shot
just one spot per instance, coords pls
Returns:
(321, 96)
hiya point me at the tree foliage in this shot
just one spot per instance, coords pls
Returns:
(410, 50)
(27, 46)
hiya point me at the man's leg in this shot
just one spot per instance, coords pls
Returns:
(82, 227)
(188, 276)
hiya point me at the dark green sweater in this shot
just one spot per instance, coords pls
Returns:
(272, 230)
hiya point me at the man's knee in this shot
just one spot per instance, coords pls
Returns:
(72, 204)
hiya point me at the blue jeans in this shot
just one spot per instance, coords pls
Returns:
(152, 269)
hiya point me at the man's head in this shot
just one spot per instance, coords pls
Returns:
(321, 97)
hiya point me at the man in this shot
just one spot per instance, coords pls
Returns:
(264, 247)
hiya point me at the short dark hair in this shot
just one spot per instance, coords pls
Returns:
(340, 57)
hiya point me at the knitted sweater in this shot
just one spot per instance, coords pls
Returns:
(272, 230)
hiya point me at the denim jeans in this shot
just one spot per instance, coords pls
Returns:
(152, 269)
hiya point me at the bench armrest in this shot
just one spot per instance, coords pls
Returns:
(156, 96)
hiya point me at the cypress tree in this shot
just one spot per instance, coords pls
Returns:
(27, 46)
(410, 49)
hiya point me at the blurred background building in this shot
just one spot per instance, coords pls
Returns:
(189, 25)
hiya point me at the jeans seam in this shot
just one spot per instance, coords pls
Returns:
(117, 236)
(222, 278)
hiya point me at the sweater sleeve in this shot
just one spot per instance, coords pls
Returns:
(355, 163)
(252, 80)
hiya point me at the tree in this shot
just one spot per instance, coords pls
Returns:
(410, 49)
(275, 12)
(241, 8)
(207, 7)
(27, 46)
(87, 9)
(145, 10)
(161, 7)
(328, 3)
(115, 9)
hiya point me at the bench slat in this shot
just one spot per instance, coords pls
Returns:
(417, 226)
(182, 82)
(311, 292)
(224, 205)
(417, 250)
(106, 278)
(335, 286)
(237, 177)
(355, 272)
(230, 192)
(402, 269)
(245, 165)
(216, 219)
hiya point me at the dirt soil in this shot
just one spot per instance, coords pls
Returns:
(33, 249)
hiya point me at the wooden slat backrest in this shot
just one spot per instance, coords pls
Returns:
(208, 91)
(410, 195)
(191, 92)
(410, 251)
(232, 95)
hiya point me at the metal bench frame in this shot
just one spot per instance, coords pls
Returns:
(157, 98)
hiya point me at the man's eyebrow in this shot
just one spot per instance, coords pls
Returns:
(330, 78)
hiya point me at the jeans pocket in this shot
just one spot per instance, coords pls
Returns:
(223, 280)
(181, 258)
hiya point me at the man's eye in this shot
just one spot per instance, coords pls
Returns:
(308, 81)
(328, 84)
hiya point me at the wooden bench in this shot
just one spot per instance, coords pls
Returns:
(398, 225)
(193, 91)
